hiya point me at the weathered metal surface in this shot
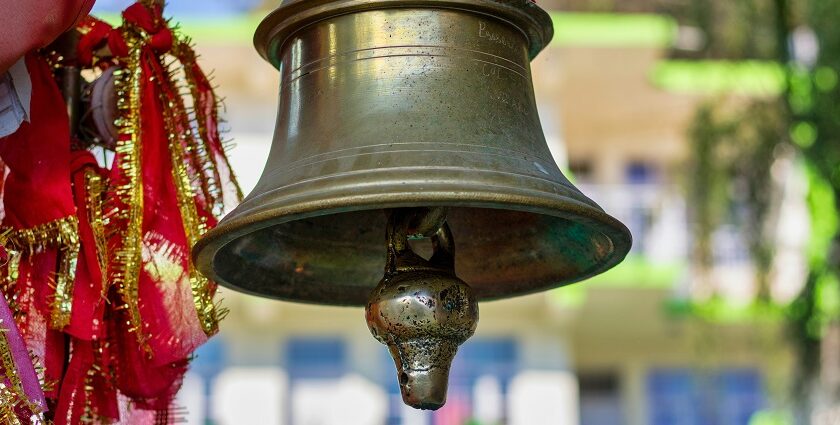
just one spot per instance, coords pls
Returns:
(407, 103)
(421, 310)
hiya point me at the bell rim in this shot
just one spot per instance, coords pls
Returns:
(294, 15)
(206, 249)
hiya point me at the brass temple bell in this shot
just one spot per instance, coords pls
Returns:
(402, 120)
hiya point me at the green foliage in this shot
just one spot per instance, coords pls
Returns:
(770, 417)
(824, 113)
(752, 78)
(635, 271)
(733, 29)
(638, 271)
(722, 311)
(612, 30)
(819, 302)
(804, 134)
(825, 223)
(808, 114)
(733, 152)
(825, 79)
(815, 102)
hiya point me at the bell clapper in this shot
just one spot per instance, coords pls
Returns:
(420, 309)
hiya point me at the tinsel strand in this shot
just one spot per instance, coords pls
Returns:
(13, 396)
(56, 233)
(127, 259)
(194, 226)
(94, 188)
(62, 234)
(62, 302)
(186, 55)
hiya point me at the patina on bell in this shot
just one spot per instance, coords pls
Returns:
(390, 104)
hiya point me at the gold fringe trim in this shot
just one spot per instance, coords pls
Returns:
(199, 154)
(94, 189)
(62, 302)
(8, 403)
(13, 396)
(64, 231)
(4, 235)
(8, 281)
(62, 234)
(194, 225)
(89, 415)
(127, 260)
(9, 273)
(186, 55)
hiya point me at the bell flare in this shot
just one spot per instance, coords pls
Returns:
(333, 255)
(402, 104)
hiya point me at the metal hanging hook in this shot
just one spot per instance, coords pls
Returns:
(418, 223)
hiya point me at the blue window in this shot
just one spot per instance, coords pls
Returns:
(639, 173)
(600, 399)
(682, 397)
(323, 358)
(740, 396)
(210, 358)
(484, 357)
(476, 358)
(673, 398)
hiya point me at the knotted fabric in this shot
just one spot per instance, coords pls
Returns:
(97, 270)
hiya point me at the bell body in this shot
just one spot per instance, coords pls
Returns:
(407, 103)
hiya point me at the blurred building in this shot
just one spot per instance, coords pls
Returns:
(616, 350)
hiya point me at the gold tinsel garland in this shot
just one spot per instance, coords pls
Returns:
(94, 189)
(62, 234)
(186, 55)
(194, 225)
(13, 396)
(127, 261)
(185, 147)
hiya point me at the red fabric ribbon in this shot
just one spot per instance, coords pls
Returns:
(163, 300)
(87, 391)
(37, 189)
(88, 394)
(37, 193)
(206, 107)
(116, 340)
(89, 289)
(95, 34)
(152, 22)
(159, 326)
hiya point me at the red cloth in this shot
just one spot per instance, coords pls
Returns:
(151, 21)
(206, 108)
(94, 36)
(104, 349)
(86, 321)
(87, 390)
(37, 189)
(150, 368)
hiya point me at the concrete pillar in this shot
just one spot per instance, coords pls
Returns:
(634, 393)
